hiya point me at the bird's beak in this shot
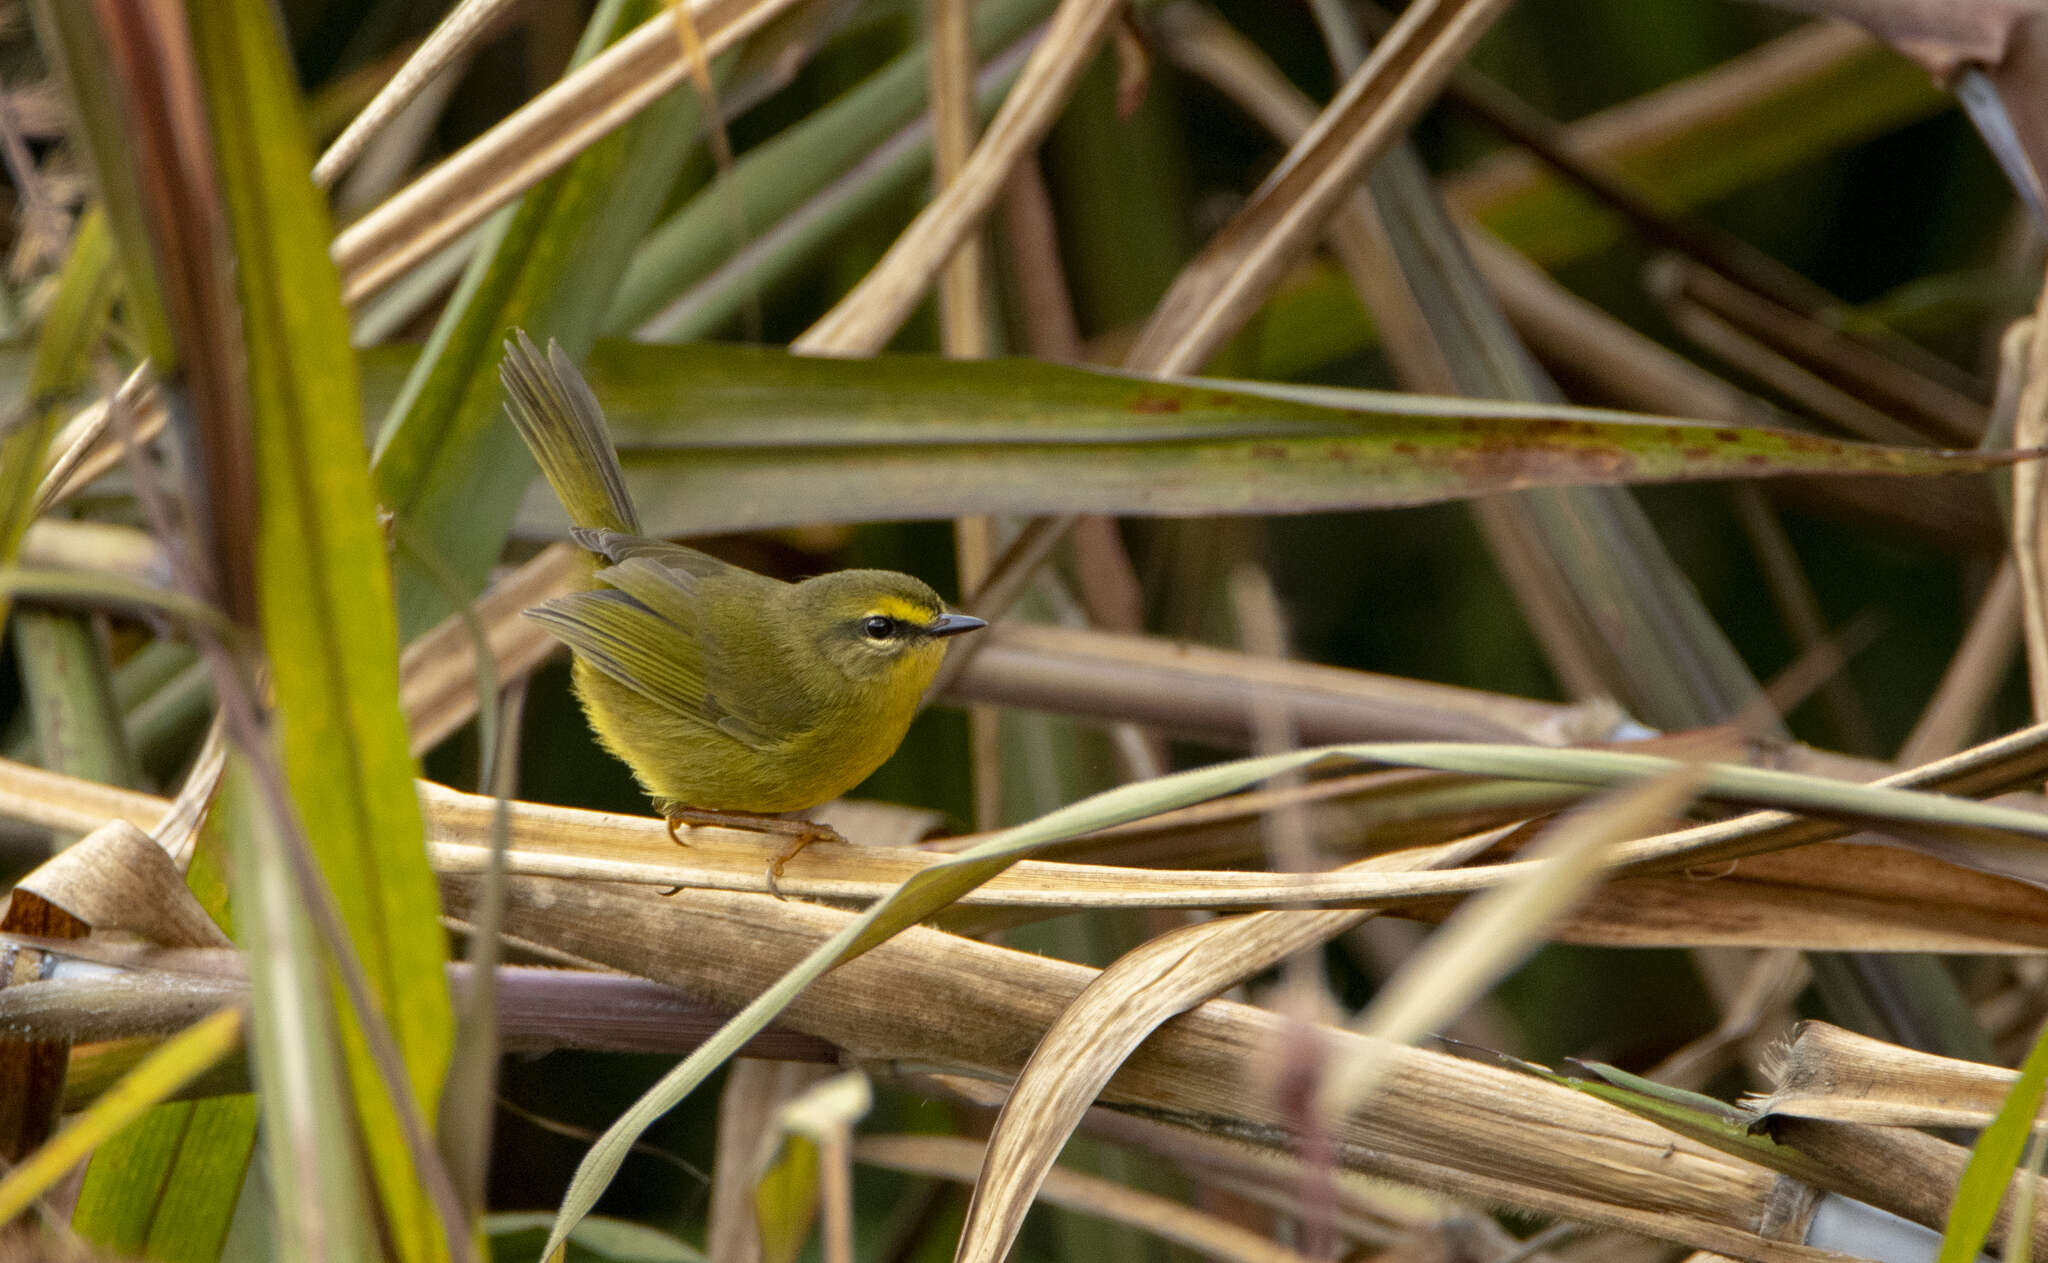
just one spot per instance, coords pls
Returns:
(953, 624)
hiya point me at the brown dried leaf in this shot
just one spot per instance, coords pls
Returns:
(1830, 1073)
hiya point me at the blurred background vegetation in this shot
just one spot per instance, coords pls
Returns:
(1875, 188)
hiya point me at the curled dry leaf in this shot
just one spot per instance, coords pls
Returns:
(118, 878)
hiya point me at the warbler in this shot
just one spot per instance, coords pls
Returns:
(733, 697)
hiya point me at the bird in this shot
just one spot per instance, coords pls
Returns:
(734, 698)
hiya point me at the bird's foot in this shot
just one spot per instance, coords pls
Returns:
(805, 833)
(801, 833)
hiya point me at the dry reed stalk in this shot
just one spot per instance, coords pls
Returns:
(437, 672)
(864, 321)
(1827, 1073)
(1872, 898)
(929, 997)
(1932, 409)
(1813, 391)
(1204, 692)
(958, 1158)
(1887, 897)
(1232, 276)
(469, 22)
(1981, 662)
(2029, 513)
(1118, 1009)
(537, 140)
(963, 318)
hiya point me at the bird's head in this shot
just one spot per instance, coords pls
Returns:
(877, 625)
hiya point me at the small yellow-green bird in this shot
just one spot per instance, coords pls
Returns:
(733, 696)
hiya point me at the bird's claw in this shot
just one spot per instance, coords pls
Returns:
(813, 832)
(801, 833)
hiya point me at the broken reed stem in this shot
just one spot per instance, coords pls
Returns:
(924, 996)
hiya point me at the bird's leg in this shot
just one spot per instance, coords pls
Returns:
(801, 833)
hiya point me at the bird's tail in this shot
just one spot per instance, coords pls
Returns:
(553, 410)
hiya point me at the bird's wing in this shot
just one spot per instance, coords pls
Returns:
(645, 652)
(628, 642)
(748, 710)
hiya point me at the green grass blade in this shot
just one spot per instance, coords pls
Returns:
(447, 461)
(727, 438)
(166, 1186)
(325, 591)
(63, 363)
(182, 1058)
(323, 1212)
(1994, 1159)
(69, 687)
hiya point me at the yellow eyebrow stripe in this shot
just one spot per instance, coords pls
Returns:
(903, 611)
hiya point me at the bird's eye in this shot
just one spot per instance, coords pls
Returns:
(878, 627)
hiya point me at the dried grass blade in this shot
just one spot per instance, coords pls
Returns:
(1222, 287)
(862, 323)
(468, 23)
(1116, 1012)
(1490, 935)
(537, 140)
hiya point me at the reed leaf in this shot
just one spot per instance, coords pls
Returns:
(726, 438)
(327, 611)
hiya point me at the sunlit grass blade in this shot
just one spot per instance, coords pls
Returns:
(325, 596)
